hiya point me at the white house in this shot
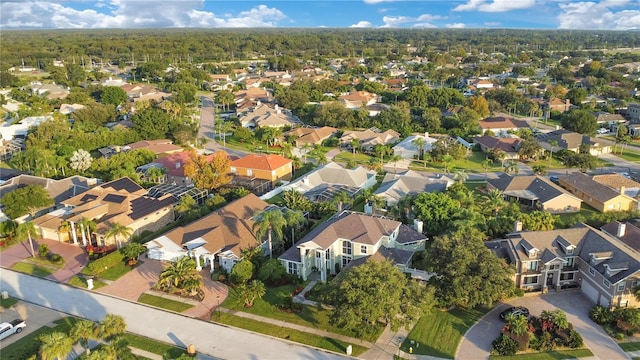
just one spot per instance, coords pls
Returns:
(408, 149)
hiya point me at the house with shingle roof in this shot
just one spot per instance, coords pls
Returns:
(537, 192)
(509, 146)
(604, 268)
(271, 167)
(120, 201)
(399, 185)
(598, 196)
(311, 136)
(569, 140)
(349, 237)
(263, 115)
(557, 104)
(369, 138)
(223, 234)
(620, 184)
(358, 99)
(158, 146)
(502, 125)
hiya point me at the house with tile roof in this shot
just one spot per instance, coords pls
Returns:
(509, 146)
(271, 167)
(604, 268)
(349, 237)
(120, 201)
(216, 240)
(537, 192)
(600, 197)
(569, 140)
(311, 136)
(263, 115)
(502, 125)
(369, 138)
(325, 182)
(408, 183)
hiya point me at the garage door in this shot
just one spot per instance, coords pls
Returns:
(591, 292)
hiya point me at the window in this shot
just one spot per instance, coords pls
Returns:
(532, 266)
(293, 268)
(592, 271)
(634, 283)
(621, 287)
(346, 248)
(233, 169)
(554, 267)
(568, 262)
(345, 260)
(363, 249)
(530, 280)
(317, 255)
(606, 283)
(567, 277)
(249, 172)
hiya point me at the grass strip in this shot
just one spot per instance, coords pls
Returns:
(156, 347)
(32, 269)
(630, 346)
(301, 337)
(164, 303)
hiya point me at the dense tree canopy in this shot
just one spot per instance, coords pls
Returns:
(25, 200)
(209, 172)
(580, 121)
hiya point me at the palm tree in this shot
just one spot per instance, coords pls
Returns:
(181, 275)
(80, 160)
(56, 345)
(321, 158)
(27, 230)
(518, 324)
(119, 231)
(447, 161)
(249, 292)
(87, 227)
(381, 150)
(485, 164)
(111, 326)
(8, 228)
(495, 200)
(269, 222)
(512, 168)
(305, 148)
(420, 143)
(539, 169)
(293, 199)
(294, 220)
(82, 332)
(155, 174)
(132, 251)
(460, 176)
(341, 199)
(225, 127)
(374, 164)
(552, 143)
(355, 145)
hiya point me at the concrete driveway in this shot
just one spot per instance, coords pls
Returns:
(477, 341)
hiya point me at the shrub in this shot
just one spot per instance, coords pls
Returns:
(241, 272)
(272, 272)
(97, 266)
(504, 346)
(534, 343)
(600, 315)
(43, 251)
(546, 341)
(56, 259)
(575, 340)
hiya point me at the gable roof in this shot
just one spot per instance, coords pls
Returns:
(568, 140)
(584, 183)
(157, 146)
(58, 190)
(268, 162)
(617, 182)
(229, 228)
(502, 122)
(532, 187)
(508, 145)
(397, 186)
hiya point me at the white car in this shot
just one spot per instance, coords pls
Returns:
(602, 131)
(9, 328)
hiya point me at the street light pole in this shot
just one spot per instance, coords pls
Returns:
(218, 297)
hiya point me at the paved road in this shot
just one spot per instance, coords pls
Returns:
(207, 129)
(208, 338)
(477, 341)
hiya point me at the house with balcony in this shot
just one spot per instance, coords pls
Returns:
(349, 237)
(597, 195)
(602, 266)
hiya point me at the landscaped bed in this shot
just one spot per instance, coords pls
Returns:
(301, 337)
(439, 332)
(268, 306)
(551, 355)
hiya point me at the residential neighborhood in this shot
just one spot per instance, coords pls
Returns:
(380, 203)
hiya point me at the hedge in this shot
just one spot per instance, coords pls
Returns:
(97, 266)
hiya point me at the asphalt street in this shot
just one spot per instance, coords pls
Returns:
(210, 339)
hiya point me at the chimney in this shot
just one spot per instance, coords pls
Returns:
(622, 228)
(622, 190)
(418, 225)
(517, 226)
(426, 135)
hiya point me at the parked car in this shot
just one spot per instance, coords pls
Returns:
(602, 131)
(554, 179)
(515, 310)
(9, 328)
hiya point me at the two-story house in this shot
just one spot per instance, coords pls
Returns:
(351, 236)
(269, 167)
(604, 268)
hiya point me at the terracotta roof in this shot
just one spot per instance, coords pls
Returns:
(261, 162)
(359, 96)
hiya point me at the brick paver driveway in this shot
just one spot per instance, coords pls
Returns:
(477, 341)
(145, 276)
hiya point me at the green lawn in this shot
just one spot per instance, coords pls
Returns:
(630, 156)
(28, 345)
(346, 156)
(267, 307)
(8, 302)
(439, 332)
(630, 346)
(32, 269)
(115, 272)
(164, 303)
(318, 341)
(551, 355)
(81, 282)
(471, 164)
(153, 346)
(585, 213)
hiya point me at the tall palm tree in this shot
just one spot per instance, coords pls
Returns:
(87, 227)
(306, 148)
(495, 200)
(269, 222)
(294, 220)
(486, 163)
(56, 345)
(249, 292)
(111, 326)
(355, 145)
(82, 332)
(552, 143)
(512, 168)
(27, 230)
(342, 198)
(225, 127)
(460, 176)
(381, 150)
(118, 231)
(419, 142)
(447, 161)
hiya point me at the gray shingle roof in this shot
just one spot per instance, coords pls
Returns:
(587, 185)
(543, 189)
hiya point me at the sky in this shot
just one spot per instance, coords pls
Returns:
(518, 14)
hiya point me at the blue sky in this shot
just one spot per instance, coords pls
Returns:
(522, 14)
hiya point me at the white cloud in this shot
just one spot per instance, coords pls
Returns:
(130, 14)
(491, 23)
(495, 5)
(593, 15)
(362, 24)
(373, 2)
(456, 26)
(423, 20)
(394, 21)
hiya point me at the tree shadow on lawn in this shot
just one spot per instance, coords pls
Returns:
(420, 348)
